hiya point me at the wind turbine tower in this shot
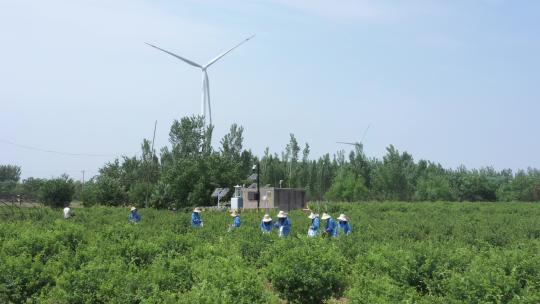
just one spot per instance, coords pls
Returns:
(205, 95)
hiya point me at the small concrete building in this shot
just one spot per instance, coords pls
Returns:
(274, 198)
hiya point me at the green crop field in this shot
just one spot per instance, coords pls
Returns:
(397, 253)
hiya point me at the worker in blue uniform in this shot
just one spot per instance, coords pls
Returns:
(315, 223)
(196, 220)
(283, 224)
(344, 225)
(330, 228)
(134, 216)
(236, 220)
(266, 224)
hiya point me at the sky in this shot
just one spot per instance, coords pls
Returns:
(455, 82)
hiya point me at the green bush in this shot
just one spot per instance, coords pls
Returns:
(310, 273)
(397, 253)
(57, 192)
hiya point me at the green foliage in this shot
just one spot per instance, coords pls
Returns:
(434, 187)
(161, 197)
(9, 177)
(395, 177)
(7, 188)
(104, 190)
(347, 187)
(31, 186)
(525, 186)
(10, 173)
(186, 172)
(57, 192)
(309, 273)
(397, 253)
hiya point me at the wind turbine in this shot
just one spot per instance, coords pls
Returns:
(205, 96)
(357, 144)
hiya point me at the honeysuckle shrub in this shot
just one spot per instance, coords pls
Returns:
(310, 272)
(397, 253)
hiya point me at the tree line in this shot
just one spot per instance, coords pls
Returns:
(185, 173)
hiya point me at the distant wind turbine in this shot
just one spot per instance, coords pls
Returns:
(356, 143)
(205, 96)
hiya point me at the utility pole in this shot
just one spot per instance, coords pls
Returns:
(258, 189)
(258, 166)
(82, 185)
(82, 179)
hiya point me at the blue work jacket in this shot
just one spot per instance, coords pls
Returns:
(345, 227)
(315, 224)
(196, 219)
(331, 227)
(134, 217)
(236, 221)
(266, 226)
(284, 226)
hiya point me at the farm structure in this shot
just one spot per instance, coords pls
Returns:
(274, 198)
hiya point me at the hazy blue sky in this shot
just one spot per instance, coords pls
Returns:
(456, 82)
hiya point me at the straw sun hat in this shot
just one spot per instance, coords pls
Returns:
(133, 209)
(342, 217)
(282, 214)
(234, 213)
(313, 215)
(325, 216)
(266, 218)
(197, 210)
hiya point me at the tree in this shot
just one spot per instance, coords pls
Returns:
(9, 176)
(348, 187)
(395, 177)
(190, 138)
(104, 190)
(525, 187)
(10, 173)
(31, 186)
(57, 192)
(231, 143)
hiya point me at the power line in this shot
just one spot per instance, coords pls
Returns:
(53, 151)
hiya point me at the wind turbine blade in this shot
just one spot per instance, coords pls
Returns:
(346, 143)
(365, 132)
(174, 55)
(208, 96)
(225, 53)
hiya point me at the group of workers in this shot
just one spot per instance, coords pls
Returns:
(283, 223)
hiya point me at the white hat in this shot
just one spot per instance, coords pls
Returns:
(313, 215)
(325, 216)
(266, 218)
(282, 214)
(133, 208)
(342, 217)
(197, 210)
(234, 213)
